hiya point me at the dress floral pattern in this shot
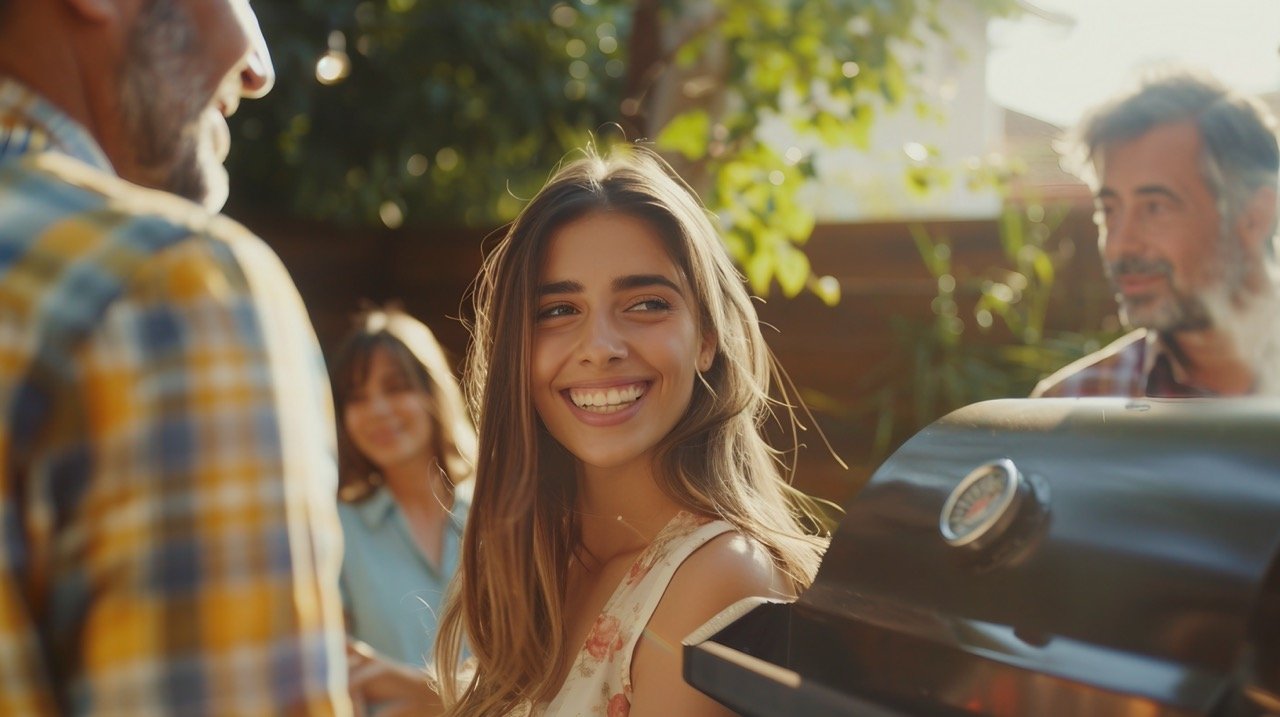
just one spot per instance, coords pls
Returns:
(599, 682)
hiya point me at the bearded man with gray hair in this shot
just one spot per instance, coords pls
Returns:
(1184, 174)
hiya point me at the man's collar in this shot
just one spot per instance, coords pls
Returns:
(1153, 346)
(1163, 356)
(1159, 345)
(1163, 370)
(29, 123)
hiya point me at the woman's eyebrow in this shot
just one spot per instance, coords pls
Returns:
(561, 287)
(639, 281)
(622, 283)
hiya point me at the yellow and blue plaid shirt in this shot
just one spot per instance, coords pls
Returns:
(169, 542)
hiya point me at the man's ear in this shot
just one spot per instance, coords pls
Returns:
(1256, 223)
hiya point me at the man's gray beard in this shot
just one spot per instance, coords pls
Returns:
(1199, 309)
(162, 102)
(1178, 312)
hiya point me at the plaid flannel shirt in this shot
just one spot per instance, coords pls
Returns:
(169, 541)
(1135, 365)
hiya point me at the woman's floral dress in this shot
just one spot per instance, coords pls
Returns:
(599, 682)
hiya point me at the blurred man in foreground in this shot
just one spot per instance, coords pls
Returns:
(1184, 173)
(168, 537)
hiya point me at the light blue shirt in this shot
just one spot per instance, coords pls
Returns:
(391, 593)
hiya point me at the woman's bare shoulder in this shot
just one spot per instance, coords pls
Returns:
(726, 569)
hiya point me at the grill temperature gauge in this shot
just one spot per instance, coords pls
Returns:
(982, 506)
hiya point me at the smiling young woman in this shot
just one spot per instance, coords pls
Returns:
(616, 346)
(624, 494)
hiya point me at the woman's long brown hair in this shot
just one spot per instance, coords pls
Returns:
(507, 603)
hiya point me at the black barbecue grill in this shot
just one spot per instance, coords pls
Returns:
(1035, 557)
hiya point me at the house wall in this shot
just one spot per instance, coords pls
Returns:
(960, 131)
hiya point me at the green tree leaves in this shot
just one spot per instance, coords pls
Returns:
(455, 112)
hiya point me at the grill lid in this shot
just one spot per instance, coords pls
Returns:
(1053, 556)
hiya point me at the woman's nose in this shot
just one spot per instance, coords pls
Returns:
(602, 341)
(378, 403)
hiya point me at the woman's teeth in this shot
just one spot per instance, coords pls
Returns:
(600, 400)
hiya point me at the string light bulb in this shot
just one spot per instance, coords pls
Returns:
(334, 65)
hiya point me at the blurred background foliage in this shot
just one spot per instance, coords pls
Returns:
(438, 112)
(990, 336)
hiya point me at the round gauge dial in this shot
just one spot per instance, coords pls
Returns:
(979, 502)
